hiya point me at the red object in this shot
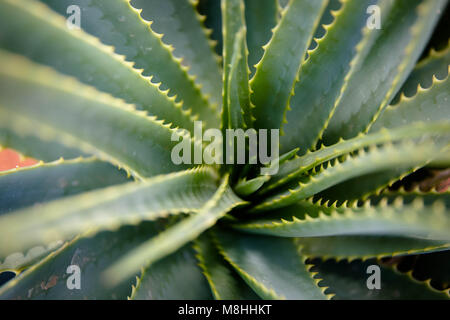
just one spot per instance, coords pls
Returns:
(9, 159)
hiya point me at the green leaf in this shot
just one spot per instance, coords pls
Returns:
(261, 17)
(286, 157)
(239, 114)
(176, 236)
(276, 72)
(33, 139)
(434, 65)
(246, 187)
(322, 77)
(107, 208)
(182, 27)
(32, 29)
(225, 283)
(427, 105)
(236, 111)
(294, 168)
(404, 32)
(349, 281)
(375, 160)
(275, 164)
(365, 247)
(176, 277)
(48, 279)
(233, 22)
(410, 220)
(108, 127)
(272, 267)
(373, 186)
(118, 24)
(326, 20)
(43, 182)
(367, 185)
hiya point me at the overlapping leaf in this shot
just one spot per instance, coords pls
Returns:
(294, 168)
(177, 236)
(33, 139)
(182, 27)
(108, 127)
(395, 47)
(286, 277)
(276, 72)
(375, 160)
(409, 220)
(107, 208)
(32, 29)
(118, 24)
(323, 75)
(224, 282)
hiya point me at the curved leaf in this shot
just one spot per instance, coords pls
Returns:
(238, 100)
(276, 72)
(284, 277)
(326, 20)
(434, 65)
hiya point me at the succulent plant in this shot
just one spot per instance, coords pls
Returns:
(99, 106)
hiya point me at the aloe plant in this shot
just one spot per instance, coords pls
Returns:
(99, 107)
